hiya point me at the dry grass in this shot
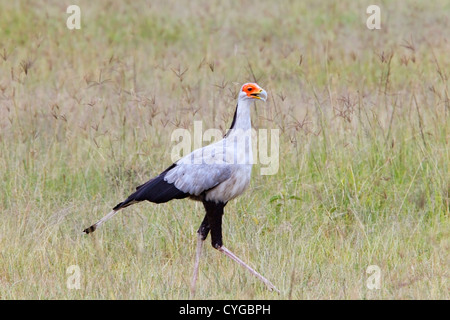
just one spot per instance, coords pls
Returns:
(86, 115)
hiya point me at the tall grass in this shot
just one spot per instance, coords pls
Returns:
(86, 115)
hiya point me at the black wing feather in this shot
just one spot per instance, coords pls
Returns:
(155, 190)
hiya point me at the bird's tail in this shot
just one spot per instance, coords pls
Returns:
(121, 205)
(156, 190)
(128, 202)
(100, 222)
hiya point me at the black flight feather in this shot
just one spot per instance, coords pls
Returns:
(156, 190)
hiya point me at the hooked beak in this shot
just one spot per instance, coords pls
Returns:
(261, 95)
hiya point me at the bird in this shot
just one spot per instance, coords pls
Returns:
(213, 175)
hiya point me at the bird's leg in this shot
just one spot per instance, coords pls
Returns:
(230, 254)
(202, 233)
(214, 212)
(198, 253)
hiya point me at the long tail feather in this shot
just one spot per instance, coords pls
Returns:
(100, 222)
(156, 190)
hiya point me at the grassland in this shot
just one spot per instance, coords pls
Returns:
(86, 115)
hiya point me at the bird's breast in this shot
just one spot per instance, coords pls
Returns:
(232, 187)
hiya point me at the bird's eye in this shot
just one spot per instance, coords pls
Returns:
(249, 89)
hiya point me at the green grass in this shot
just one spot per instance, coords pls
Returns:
(86, 115)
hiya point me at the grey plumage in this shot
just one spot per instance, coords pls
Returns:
(197, 178)
(204, 169)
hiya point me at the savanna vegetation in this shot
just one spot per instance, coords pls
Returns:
(87, 115)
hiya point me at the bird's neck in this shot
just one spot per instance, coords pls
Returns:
(238, 139)
(241, 121)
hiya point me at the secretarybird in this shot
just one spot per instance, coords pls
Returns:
(213, 175)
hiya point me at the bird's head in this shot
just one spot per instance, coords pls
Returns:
(252, 91)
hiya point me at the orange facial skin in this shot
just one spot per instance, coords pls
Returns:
(251, 89)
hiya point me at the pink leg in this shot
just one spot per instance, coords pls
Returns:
(198, 253)
(253, 271)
